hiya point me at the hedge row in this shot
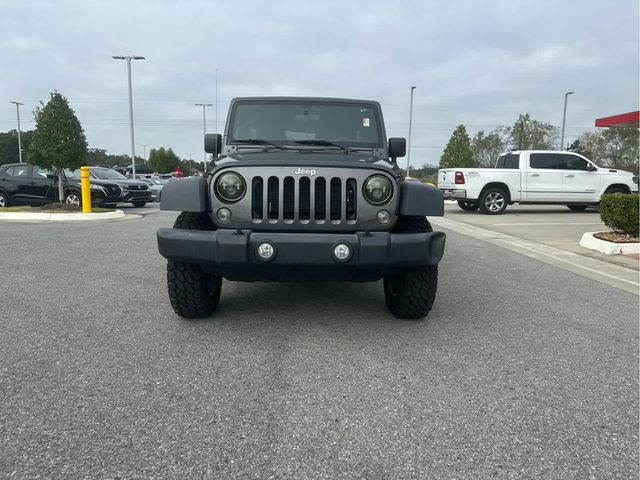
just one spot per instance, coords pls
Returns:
(620, 212)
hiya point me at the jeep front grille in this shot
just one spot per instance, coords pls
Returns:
(304, 199)
(329, 200)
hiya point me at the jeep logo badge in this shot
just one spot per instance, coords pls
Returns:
(302, 171)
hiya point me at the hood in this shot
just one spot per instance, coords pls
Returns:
(297, 158)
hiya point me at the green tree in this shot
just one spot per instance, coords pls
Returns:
(9, 146)
(529, 134)
(458, 152)
(58, 140)
(486, 147)
(163, 160)
(614, 147)
(621, 148)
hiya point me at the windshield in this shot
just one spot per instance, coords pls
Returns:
(288, 122)
(107, 174)
(71, 173)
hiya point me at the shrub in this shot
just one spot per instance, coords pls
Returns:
(619, 212)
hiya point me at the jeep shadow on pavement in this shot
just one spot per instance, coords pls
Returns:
(302, 189)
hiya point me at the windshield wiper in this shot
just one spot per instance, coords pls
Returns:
(322, 143)
(258, 141)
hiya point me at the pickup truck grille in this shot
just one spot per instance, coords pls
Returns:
(304, 199)
(330, 198)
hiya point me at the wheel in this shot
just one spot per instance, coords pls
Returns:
(139, 204)
(492, 201)
(467, 206)
(577, 208)
(193, 293)
(4, 200)
(411, 294)
(72, 198)
(612, 190)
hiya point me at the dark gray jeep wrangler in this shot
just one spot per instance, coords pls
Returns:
(302, 189)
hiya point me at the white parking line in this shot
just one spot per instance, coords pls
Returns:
(548, 223)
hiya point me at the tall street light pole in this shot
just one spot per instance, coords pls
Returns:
(133, 143)
(204, 124)
(144, 151)
(564, 119)
(19, 141)
(409, 139)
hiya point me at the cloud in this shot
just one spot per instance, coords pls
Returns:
(476, 63)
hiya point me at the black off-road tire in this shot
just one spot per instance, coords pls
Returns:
(192, 292)
(577, 208)
(612, 190)
(493, 201)
(411, 294)
(139, 204)
(467, 206)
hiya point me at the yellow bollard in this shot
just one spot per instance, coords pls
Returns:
(86, 189)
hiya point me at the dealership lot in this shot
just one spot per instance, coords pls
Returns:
(522, 369)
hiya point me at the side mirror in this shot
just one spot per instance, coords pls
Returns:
(397, 147)
(51, 176)
(213, 143)
(591, 167)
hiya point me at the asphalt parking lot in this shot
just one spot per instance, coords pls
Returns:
(522, 370)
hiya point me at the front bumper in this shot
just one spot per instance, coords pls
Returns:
(238, 248)
(135, 196)
(453, 193)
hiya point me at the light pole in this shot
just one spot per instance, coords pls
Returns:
(564, 119)
(144, 151)
(409, 139)
(204, 124)
(133, 143)
(19, 141)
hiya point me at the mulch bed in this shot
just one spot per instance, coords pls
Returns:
(617, 237)
(64, 207)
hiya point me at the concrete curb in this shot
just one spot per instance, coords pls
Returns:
(608, 248)
(612, 274)
(57, 217)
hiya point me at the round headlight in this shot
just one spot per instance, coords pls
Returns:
(230, 187)
(377, 190)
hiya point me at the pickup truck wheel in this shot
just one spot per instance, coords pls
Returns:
(193, 293)
(577, 208)
(139, 204)
(493, 201)
(467, 206)
(411, 294)
(4, 200)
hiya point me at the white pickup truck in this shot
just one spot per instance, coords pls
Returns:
(533, 177)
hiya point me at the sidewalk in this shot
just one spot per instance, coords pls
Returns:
(550, 234)
(64, 217)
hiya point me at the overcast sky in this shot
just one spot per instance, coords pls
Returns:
(477, 63)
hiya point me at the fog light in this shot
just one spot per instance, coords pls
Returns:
(266, 251)
(342, 252)
(383, 217)
(224, 215)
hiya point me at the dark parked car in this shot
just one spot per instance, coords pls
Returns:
(119, 189)
(24, 184)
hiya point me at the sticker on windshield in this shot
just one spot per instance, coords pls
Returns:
(365, 122)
